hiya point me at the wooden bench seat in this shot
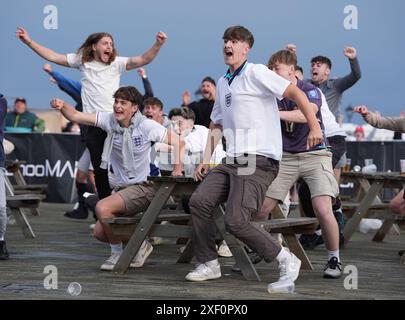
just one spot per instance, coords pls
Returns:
(124, 226)
(377, 211)
(31, 187)
(24, 200)
(16, 203)
(380, 209)
(289, 225)
(21, 187)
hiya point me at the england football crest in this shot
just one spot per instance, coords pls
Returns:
(137, 141)
(228, 100)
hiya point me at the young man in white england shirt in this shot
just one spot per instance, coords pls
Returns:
(127, 148)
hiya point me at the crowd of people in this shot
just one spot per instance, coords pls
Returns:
(278, 129)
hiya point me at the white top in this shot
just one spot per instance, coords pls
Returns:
(142, 136)
(195, 143)
(332, 128)
(99, 81)
(248, 111)
(154, 155)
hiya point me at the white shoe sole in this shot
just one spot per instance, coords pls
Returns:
(331, 275)
(199, 279)
(107, 267)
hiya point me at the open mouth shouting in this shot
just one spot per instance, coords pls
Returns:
(105, 56)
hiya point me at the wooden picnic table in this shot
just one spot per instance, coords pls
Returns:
(21, 186)
(370, 185)
(142, 225)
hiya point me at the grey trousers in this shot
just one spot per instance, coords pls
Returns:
(244, 196)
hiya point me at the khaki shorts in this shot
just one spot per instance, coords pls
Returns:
(137, 197)
(315, 167)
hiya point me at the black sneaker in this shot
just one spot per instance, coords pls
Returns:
(90, 203)
(79, 213)
(333, 269)
(3, 251)
(310, 241)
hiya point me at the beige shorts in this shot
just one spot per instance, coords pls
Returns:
(315, 167)
(137, 197)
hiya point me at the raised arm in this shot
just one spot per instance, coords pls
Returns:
(148, 56)
(42, 51)
(72, 87)
(395, 124)
(315, 135)
(72, 114)
(344, 83)
(146, 84)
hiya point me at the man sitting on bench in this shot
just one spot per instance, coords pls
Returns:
(127, 149)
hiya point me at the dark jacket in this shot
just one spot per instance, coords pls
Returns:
(3, 112)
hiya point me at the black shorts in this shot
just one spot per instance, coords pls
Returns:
(338, 148)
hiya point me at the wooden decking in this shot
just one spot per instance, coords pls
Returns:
(69, 246)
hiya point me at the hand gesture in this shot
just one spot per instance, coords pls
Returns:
(161, 38)
(177, 171)
(315, 137)
(142, 72)
(350, 52)
(186, 98)
(291, 47)
(57, 103)
(362, 110)
(201, 171)
(47, 68)
(23, 35)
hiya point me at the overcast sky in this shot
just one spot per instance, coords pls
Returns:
(193, 50)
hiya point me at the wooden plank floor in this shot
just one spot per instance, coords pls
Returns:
(69, 246)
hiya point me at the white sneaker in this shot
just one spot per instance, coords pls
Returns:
(92, 226)
(205, 271)
(289, 271)
(224, 251)
(333, 269)
(143, 253)
(109, 264)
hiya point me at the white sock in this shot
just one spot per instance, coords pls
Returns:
(283, 254)
(116, 248)
(332, 254)
(318, 232)
(212, 263)
(1, 238)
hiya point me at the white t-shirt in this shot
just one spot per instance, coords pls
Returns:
(154, 155)
(99, 81)
(142, 136)
(195, 143)
(332, 128)
(248, 111)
